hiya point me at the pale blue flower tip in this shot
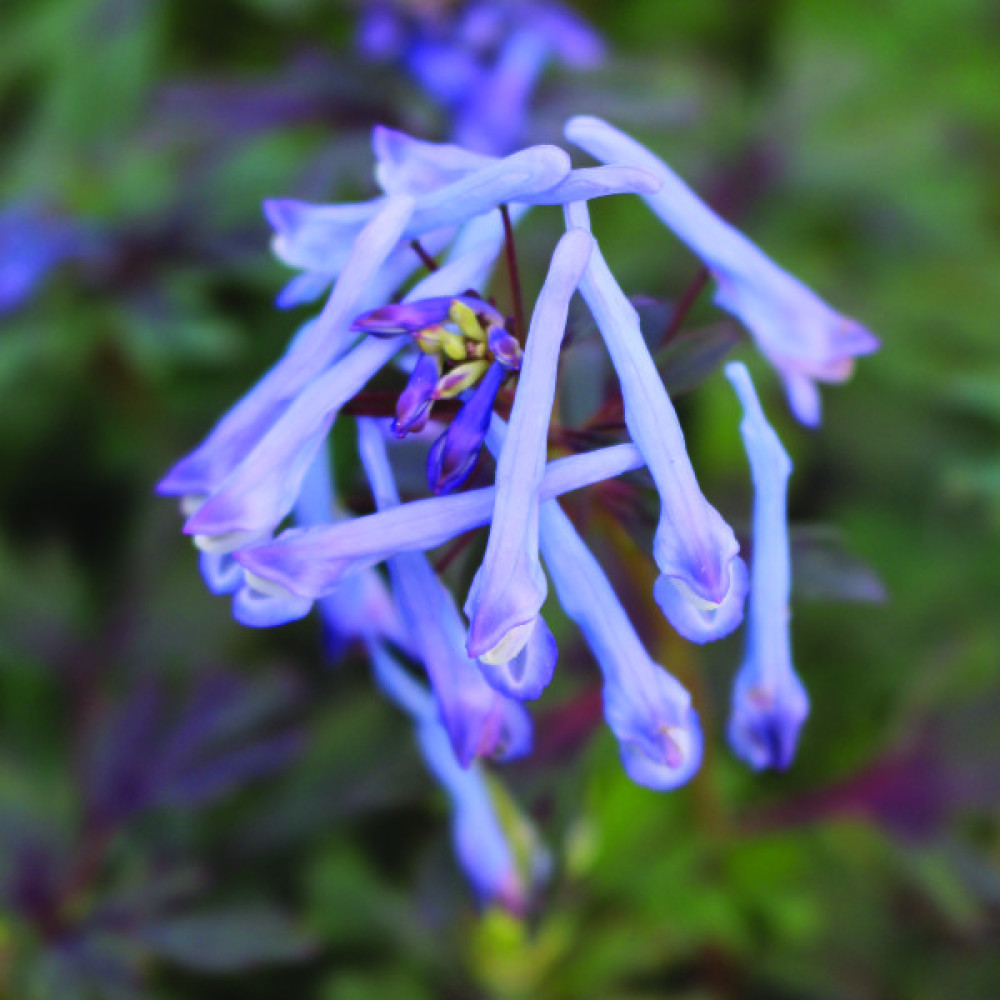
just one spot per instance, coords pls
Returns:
(698, 620)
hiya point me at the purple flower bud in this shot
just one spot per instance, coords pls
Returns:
(769, 702)
(414, 404)
(505, 348)
(453, 455)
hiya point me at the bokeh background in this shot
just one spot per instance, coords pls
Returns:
(189, 808)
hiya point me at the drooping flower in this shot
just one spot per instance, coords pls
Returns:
(479, 720)
(319, 343)
(272, 455)
(311, 562)
(647, 709)
(510, 588)
(805, 340)
(769, 701)
(484, 848)
(703, 581)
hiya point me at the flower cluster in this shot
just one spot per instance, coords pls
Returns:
(481, 61)
(268, 458)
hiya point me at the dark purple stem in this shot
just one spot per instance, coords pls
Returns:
(513, 276)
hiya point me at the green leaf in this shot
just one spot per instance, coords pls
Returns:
(230, 939)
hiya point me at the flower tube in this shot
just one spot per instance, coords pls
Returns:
(308, 235)
(647, 709)
(703, 581)
(203, 471)
(769, 702)
(481, 844)
(479, 721)
(798, 332)
(406, 165)
(311, 562)
(510, 587)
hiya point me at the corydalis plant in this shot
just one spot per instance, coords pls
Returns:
(462, 363)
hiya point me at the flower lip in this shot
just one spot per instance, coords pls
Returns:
(765, 723)
(699, 620)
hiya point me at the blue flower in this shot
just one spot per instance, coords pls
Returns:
(311, 562)
(319, 343)
(246, 475)
(479, 720)
(483, 847)
(703, 580)
(481, 62)
(646, 708)
(805, 340)
(769, 702)
(270, 440)
(510, 588)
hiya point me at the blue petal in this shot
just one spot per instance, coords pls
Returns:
(311, 562)
(769, 703)
(695, 550)
(649, 712)
(510, 587)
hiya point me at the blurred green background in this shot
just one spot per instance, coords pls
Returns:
(303, 851)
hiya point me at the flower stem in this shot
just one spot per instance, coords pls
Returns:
(684, 304)
(428, 261)
(513, 276)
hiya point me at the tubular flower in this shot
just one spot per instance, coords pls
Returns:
(769, 702)
(456, 351)
(318, 344)
(648, 710)
(484, 849)
(510, 588)
(703, 582)
(478, 719)
(311, 562)
(482, 61)
(805, 340)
